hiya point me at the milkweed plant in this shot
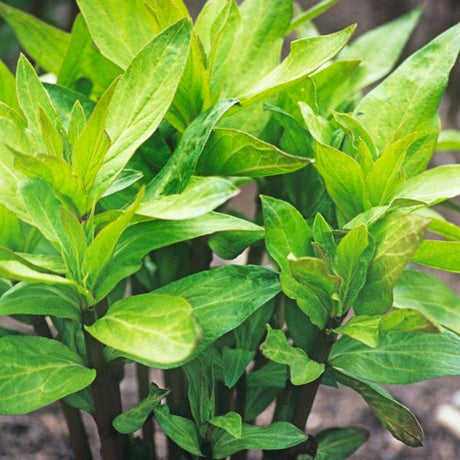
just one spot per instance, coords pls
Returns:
(115, 182)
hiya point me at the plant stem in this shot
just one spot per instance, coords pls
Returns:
(148, 435)
(77, 433)
(107, 399)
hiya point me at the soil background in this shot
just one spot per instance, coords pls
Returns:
(42, 435)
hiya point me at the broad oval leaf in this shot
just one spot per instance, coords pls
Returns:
(400, 358)
(429, 295)
(230, 152)
(40, 299)
(443, 255)
(152, 328)
(37, 371)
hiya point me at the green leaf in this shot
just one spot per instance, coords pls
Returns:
(242, 290)
(140, 239)
(99, 254)
(151, 328)
(50, 175)
(277, 349)
(280, 435)
(344, 180)
(162, 60)
(77, 122)
(400, 358)
(93, 143)
(448, 230)
(230, 152)
(230, 244)
(443, 255)
(201, 196)
(363, 328)
(13, 132)
(83, 60)
(181, 430)
(235, 362)
(306, 56)
(393, 415)
(287, 232)
(176, 174)
(8, 87)
(386, 175)
(230, 422)
(339, 443)
(43, 43)
(32, 96)
(354, 253)
(40, 299)
(135, 417)
(448, 140)
(45, 210)
(378, 60)
(430, 296)
(313, 273)
(36, 371)
(432, 186)
(257, 45)
(397, 239)
(120, 30)
(323, 236)
(310, 14)
(166, 12)
(408, 100)
(263, 385)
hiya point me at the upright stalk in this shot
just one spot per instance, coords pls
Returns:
(107, 398)
(78, 436)
(142, 374)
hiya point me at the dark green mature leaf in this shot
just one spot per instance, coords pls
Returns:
(230, 152)
(345, 181)
(176, 174)
(280, 435)
(120, 30)
(135, 417)
(137, 107)
(432, 186)
(339, 443)
(140, 239)
(395, 417)
(443, 255)
(224, 297)
(263, 385)
(234, 363)
(181, 430)
(44, 43)
(201, 196)
(429, 295)
(408, 100)
(40, 299)
(378, 60)
(150, 328)
(400, 358)
(230, 244)
(397, 239)
(277, 349)
(230, 422)
(36, 371)
(287, 232)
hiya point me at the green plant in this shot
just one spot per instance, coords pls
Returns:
(109, 182)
